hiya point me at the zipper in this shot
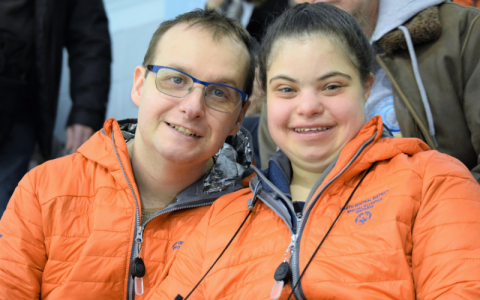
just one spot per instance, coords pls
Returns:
(265, 198)
(295, 257)
(130, 294)
(139, 229)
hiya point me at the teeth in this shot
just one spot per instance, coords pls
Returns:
(183, 130)
(311, 129)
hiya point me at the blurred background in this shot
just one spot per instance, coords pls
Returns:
(131, 24)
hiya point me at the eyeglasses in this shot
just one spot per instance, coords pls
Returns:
(178, 84)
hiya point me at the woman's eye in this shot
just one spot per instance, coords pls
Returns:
(332, 87)
(286, 90)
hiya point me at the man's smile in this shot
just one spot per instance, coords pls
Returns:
(183, 130)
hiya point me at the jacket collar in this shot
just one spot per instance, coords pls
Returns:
(383, 147)
(108, 146)
(424, 27)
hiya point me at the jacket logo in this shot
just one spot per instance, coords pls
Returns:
(363, 217)
(365, 204)
(177, 245)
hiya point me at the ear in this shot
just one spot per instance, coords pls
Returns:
(138, 81)
(239, 121)
(367, 87)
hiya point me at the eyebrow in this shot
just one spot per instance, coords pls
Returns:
(323, 77)
(222, 80)
(282, 77)
(333, 74)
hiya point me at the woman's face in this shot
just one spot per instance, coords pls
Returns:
(315, 100)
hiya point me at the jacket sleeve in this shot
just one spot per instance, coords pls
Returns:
(446, 234)
(187, 269)
(22, 248)
(89, 51)
(471, 77)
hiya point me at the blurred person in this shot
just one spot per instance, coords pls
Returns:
(427, 71)
(264, 13)
(345, 210)
(32, 37)
(106, 222)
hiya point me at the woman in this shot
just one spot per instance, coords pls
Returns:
(346, 208)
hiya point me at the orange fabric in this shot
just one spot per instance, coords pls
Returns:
(468, 2)
(421, 239)
(68, 230)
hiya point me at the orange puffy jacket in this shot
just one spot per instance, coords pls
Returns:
(468, 2)
(410, 231)
(68, 231)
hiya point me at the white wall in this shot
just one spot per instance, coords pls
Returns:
(131, 23)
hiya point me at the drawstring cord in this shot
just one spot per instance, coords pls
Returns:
(418, 78)
(251, 204)
(338, 216)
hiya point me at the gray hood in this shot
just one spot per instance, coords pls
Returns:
(393, 13)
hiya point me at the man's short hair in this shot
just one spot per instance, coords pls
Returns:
(220, 26)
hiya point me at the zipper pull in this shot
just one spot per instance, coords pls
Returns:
(139, 237)
(282, 277)
(283, 273)
(137, 270)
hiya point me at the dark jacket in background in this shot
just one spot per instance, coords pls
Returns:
(263, 15)
(82, 27)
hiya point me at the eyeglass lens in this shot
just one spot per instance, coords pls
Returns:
(178, 85)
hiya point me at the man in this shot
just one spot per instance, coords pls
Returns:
(32, 36)
(429, 89)
(106, 222)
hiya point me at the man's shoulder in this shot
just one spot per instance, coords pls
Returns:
(72, 176)
(459, 14)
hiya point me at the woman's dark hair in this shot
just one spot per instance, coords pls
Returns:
(305, 20)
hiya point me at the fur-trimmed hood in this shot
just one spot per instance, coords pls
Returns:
(420, 17)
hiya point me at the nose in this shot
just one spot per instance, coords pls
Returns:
(310, 104)
(193, 104)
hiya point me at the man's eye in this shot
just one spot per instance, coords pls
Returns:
(176, 80)
(218, 93)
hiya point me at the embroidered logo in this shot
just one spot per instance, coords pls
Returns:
(363, 217)
(365, 204)
(362, 208)
(177, 245)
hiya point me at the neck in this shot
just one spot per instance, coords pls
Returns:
(304, 178)
(159, 181)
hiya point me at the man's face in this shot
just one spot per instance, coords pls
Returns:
(186, 130)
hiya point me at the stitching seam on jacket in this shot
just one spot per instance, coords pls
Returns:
(10, 235)
(18, 263)
(470, 29)
(24, 286)
(445, 224)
